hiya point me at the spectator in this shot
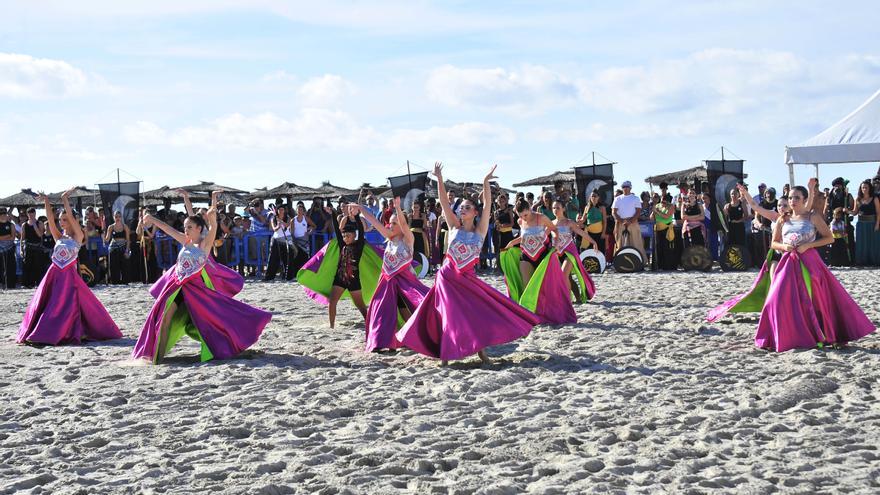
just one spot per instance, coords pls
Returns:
(546, 206)
(504, 218)
(665, 254)
(693, 217)
(735, 212)
(760, 196)
(31, 247)
(117, 236)
(839, 197)
(625, 210)
(867, 207)
(839, 253)
(418, 225)
(713, 225)
(281, 246)
(321, 220)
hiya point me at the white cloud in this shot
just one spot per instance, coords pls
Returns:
(312, 128)
(529, 89)
(325, 91)
(468, 134)
(26, 77)
(603, 132)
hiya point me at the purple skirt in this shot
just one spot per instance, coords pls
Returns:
(382, 315)
(65, 311)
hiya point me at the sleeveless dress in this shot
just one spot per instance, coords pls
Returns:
(565, 248)
(205, 311)
(398, 288)
(462, 315)
(64, 310)
(547, 293)
(804, 304)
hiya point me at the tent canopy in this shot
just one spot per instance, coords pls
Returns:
(854, 139)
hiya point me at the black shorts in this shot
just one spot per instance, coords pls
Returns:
(178, 299)
(534, 263)
(352, 285)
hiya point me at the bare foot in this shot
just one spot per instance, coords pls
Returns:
(444, 363)
(484, 358)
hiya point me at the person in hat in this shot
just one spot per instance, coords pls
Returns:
(8, 275)
(626, 209)
(760, 196)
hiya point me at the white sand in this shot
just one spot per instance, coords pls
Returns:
(641, 396)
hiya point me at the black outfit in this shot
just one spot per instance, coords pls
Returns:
(348, 275)
(7, 257)
(33, 257)
(501, 239)
(694, 237)
(736, 236)
(48, 244)
(281, 253)
(116, 259)
(417, 226)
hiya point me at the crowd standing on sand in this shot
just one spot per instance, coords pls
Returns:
(537, 245)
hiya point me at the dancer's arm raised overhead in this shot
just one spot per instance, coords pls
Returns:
(764, 212)
(75, 229)
(207, 242)
(377, 225)
(483, 227)
(50, 215)
(164, 227)
(452, 220)
(408, 236)
(186, 202)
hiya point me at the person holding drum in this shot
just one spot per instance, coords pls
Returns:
(625, 210)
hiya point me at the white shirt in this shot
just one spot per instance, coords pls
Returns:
(627, 205)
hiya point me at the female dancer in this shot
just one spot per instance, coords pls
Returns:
(595, 220)
(347, 265)
(534, 278)
(666, 257)
(418, 225)
(189, 303)
(64, 310)
(752, 300)
(582, 285)
(806, 305)
(461, 315)
(399, 292)
(867, 207)
(117, 235)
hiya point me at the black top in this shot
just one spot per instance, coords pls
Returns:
(30, 234)
(735, 212)
(48, 240)
(349, 254)
(503, 216)
(692, 210)
(118, 234)
(770, 206)
(6, 228)
(867, 208)
(417, 223)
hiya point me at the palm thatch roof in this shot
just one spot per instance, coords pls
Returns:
(548, 180)
(689, 175)
(295, 191)
(25, 198)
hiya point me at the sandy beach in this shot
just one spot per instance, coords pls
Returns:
(642, 396)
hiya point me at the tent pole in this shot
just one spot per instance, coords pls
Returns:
(791, 174)
(816, 166)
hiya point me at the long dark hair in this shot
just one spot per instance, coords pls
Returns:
(870, 189)
(198, 221)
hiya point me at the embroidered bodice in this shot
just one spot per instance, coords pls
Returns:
(797, 232)
(564, 237)
(533, 241)
(190, 260)
(464, 249)
(397, 257)
(65, 252)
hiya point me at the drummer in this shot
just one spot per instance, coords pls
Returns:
(625, 210)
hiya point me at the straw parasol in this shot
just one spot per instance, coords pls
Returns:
(25, 198)
(548, 180)
(286, 190)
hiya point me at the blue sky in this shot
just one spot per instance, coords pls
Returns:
(252, 94)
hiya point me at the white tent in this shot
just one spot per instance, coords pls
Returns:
(855, 139)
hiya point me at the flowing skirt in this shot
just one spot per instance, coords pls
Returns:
(223, 325)
(587, 287)
(462, 315)
(316, 276)
(65, 311)
(548, 292)
(806, 305)
(383, 318)
(224, 279)
(751, 301)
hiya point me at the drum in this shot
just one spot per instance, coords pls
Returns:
(736, 258)
(628, 260)
(696, 257)
(425, 266)
(594, 261)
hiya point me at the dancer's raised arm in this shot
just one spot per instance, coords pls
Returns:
(75, 228)
(207, 242)
(50, 215)
(377, 225)
(186, 202)
(164, 227)
(408, 236)
(452, 220)
(483, 228)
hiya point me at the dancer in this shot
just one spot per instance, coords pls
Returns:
(582, 285)
(189, 303)
(64, 310)
(534, 278)
(462, 315)
(399, 292)
(346, 266)
(806, 305)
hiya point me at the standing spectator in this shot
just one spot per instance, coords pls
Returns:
(665, 255)
(569, 202)
(760, 196)
(530, 197)
(594, 219)
(280, 250)
(117, 236)
(693, 221)
(713, 226)
(418, 225)
(258, 246)
(867, 207)
(31, 246)
(546, 206)
(735, 211)
(625, 210)
(839, 197)
(504, 219)
(301, 230)
(321, 220)
(8, 275)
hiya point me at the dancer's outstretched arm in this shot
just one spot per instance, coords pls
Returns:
(186, 202)
(75, 227)
(377, 225)
(408, 236)
(164, 227)
(483, 228)
(452, 221)
(211, 219)
(50, 215)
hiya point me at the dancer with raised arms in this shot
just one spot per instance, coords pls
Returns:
(582, 285)
(399, 292)
(64, 310)
(188, 302)
(462, 315)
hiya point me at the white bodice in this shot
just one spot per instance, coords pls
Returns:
(796, 232)
(464, 249)
(533, 241)
(397, 257)
(564, 237)
(190, 261)
(65, 252)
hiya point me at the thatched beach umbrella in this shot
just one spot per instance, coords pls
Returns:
(24, 199)
(289, 190)
(548, 180)
(688, 175)
(328, 190)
